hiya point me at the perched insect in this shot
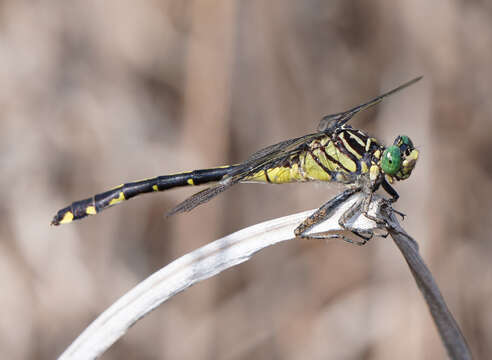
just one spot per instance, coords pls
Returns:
(337, 152)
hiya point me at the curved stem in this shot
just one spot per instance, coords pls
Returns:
(448, 328)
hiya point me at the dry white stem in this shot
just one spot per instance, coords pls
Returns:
(195, 266)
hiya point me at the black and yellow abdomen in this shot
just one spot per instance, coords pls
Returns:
(337, 152)
(97, 203)
(338, 157)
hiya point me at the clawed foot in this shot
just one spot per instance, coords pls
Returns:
(400, 213)
(388, 202)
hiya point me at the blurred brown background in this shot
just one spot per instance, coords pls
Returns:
(96, 93)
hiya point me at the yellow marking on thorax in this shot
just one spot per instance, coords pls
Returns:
(333, 152)
(324, 141)
(347, 162)
(358, 139)
(312, 170)
(190, 181)
(119, 199)
(68, 217)
(363, 167)
(155, 188)
(349, 148)
(90, 210)
(369, 142)
(323, 159)
(117, 187)
(373, 172)
(343, 159)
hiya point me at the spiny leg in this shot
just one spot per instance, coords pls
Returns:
(366, 202)
(365, 210)
(345, 218)
(334, 236)
(324, 212)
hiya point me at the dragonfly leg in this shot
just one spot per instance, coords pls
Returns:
(389, 189)
(344, 219)
(365, 210)
(399, 213)
(394, 196)
(335, 236)
(325, 211)
(384, 236)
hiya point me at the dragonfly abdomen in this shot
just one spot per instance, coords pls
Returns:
(337, 152)
(97, 203)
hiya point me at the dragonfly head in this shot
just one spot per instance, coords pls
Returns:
(400, 158)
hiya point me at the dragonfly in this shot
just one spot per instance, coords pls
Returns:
(337, 152)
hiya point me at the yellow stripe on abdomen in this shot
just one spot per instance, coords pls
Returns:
(120, 198)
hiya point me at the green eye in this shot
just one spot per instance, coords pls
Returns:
(391, 160)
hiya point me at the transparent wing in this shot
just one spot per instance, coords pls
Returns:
(275, 155)
(266, 158)
(333, 121)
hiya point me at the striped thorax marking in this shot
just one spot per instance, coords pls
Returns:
(336, 152)
(351, 144)
(339, 157)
